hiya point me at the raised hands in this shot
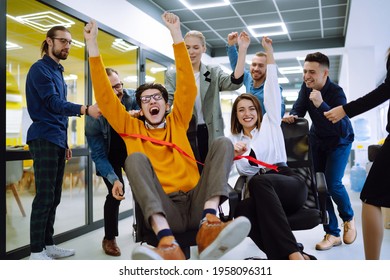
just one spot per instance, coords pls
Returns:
(172, 21)
(266, 42)
(90, 35)
(232, 38)
(243, 40)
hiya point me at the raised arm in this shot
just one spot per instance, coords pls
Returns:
(272, 100)
(172, 22)
(243, 44)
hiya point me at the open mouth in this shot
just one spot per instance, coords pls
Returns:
(154, 111)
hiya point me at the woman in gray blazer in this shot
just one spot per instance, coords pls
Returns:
(207, 122)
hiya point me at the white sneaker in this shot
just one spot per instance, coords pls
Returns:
(56, 252)
(42, 256)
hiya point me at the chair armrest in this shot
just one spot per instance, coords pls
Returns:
(240, 184)
(322, 196)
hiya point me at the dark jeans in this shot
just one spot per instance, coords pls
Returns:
(49, 166)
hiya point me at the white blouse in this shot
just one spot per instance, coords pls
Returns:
(267, 142)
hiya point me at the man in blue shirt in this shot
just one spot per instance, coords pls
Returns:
(330, 143)
(254, 78)
(46, 94)
(108, 151)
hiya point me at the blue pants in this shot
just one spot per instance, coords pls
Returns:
(333, 163)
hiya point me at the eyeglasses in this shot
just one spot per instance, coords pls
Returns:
(146, 98)
(117, 86)
(63, 40)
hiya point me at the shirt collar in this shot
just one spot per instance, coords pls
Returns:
(253, 132)
(52, 63)
(161, 125)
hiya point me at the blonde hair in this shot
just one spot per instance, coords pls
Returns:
(197, 34)
(261, 54)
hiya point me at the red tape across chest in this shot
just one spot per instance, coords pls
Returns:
(174, 146)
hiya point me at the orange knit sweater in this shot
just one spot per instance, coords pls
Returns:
(175, 171)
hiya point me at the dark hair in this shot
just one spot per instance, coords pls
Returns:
(235, 126)
(146, 86)
(51, 34)
(322, 59)
(109, 71)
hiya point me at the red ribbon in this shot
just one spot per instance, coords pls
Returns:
(174, 146)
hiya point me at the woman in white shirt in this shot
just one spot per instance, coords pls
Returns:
(271, 194)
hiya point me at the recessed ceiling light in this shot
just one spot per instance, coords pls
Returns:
(270, 29)
(155, 70)
(12, 46)
(206, 4)
(290, 70)
(43, 21)
(122, 46)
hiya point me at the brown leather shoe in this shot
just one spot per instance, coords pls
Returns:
(110, 247)
(167, 249)
(215, 238)
(350, 232)
(328, 242)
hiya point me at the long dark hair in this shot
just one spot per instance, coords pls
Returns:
(235, 126)
(51, 34)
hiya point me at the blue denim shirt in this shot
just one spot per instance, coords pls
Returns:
(248, 81)
(46, 94)
(98, 136)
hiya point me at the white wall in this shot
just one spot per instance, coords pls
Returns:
(120, 15)
(364, 64)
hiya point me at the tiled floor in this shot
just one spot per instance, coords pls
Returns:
(88, 247)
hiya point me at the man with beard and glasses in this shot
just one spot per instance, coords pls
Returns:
(164, 179)
(254, 79)
(46, 94)
(108, 151)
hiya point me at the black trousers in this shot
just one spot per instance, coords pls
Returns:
(272, 197)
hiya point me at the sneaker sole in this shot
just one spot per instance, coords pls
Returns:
(144, 253)
(229, 237)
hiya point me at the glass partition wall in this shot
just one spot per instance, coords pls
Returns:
(81, 208)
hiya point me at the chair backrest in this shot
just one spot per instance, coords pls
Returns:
(14, 171)
(296, 137)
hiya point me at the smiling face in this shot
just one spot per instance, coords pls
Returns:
(153, 106)
(258, 68)
(314, 75)
(247, 115)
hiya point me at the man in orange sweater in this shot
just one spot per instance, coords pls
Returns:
(164, 181)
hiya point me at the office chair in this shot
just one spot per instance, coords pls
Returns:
(14, 174)
(313, 212)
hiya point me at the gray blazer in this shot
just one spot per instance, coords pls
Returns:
(212, 80)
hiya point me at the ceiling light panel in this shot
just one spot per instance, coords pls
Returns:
(43, 21)
(270, 29)
(204, 4)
